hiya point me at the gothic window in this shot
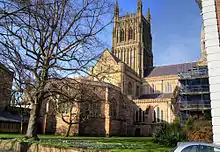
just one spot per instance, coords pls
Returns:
(153, 88)
(168, 87)
(122, 35)
(113, 108)
(136, 114)
(129, 88)
(130, 34)
(161, 115)
(158, 114)
(147, 112)
(154, 120)
(140, 115)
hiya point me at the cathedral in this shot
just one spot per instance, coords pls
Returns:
(125, 94)
(129, 66)
(135, 96)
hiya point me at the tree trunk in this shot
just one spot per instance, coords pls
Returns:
(68, 131)
(21, 129)
(33, 121)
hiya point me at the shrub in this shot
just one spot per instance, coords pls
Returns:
(199, 130)
(169, 134)
(202, 135)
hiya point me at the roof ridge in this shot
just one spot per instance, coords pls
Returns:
(175, 64)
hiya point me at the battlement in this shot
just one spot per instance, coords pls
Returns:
(128, 16)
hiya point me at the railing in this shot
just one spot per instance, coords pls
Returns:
(200, 104)
(193, 73)
(193, 89)
(195, 106)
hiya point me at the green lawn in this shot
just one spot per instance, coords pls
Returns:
(115, 144)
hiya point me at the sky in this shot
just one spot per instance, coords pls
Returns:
(176, 28)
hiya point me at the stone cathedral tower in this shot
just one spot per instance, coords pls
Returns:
(132, 40)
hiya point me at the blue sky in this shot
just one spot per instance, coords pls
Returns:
(176, 27)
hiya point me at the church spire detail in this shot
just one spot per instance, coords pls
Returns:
(139, 6)
(148, 17)
(116, 11)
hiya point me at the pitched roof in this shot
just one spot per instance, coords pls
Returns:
(169, 69)
(156, 96)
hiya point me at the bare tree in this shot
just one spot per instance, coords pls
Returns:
(42, 39)
(75, 101)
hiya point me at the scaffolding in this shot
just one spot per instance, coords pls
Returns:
(194, 73)
(194, 93)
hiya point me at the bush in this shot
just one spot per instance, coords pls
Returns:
(169, 134)
(202, 135)
(199, 130)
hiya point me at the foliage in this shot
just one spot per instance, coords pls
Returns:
(198, 130)
(207, 115)
(202, 135)
(169, 134)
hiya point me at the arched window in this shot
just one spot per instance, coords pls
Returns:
(147, 114)
(168, 87)
(130, 34)
(158, 114)
(113, 108)
(161, 115)
(153, 88)
(140, 115)
(129, 88)
(137, 116)
(154, 120)
(122, 35)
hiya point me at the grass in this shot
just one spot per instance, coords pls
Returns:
(115, 144)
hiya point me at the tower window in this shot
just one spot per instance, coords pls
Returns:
(130, 34)
(122, 35)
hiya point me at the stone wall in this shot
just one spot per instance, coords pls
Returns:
(111, 113)
(15, 146)
(5, 86)
(93, 128)
(160, 84)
